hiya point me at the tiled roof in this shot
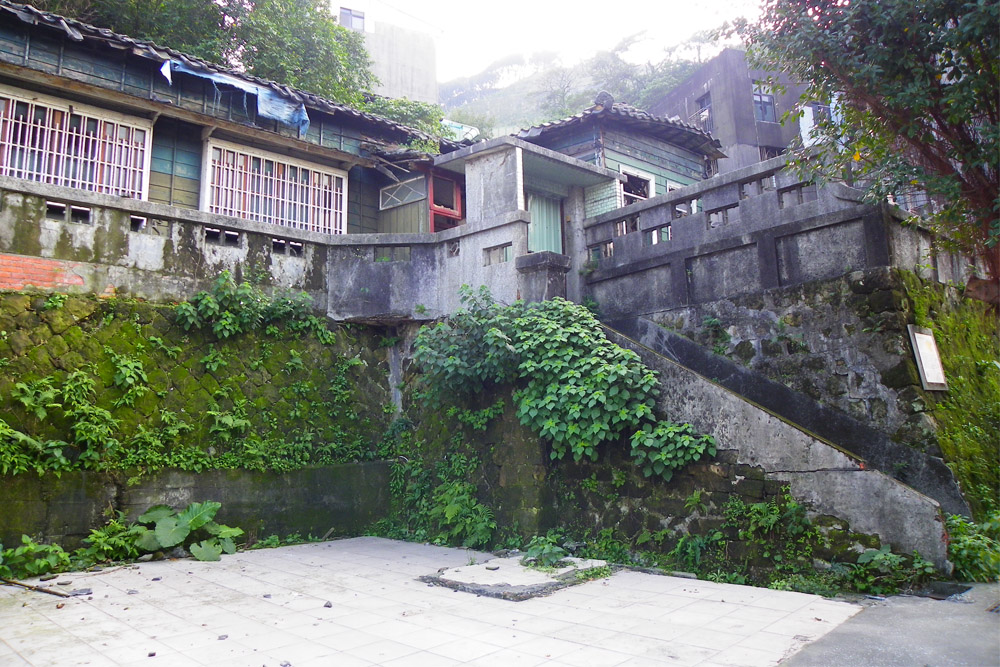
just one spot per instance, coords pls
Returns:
(668, 129)
(83, 32)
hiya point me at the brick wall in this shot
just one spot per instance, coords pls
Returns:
(18, 272)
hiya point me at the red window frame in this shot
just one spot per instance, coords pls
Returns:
(443, 211)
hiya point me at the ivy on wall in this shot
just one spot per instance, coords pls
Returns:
(575, 389)
(968, 414)
(234, 378)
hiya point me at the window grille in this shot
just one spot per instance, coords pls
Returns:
(256, 186)
(39, 141)
(406, 192)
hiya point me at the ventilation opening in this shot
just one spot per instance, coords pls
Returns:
(137, 223)
(55, 210)
(79, 215)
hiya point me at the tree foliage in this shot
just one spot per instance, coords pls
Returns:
(916, 90)
(422, 116)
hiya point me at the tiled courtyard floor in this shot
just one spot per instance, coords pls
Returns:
(358, 602)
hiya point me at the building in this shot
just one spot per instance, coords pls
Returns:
(403, 58)
(737, 106)
(126, 168)
(653, 155)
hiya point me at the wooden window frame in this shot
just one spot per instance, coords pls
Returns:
(46, 147)
(443, 211)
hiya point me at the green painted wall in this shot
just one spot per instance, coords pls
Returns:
(662, 160)
(406, 219)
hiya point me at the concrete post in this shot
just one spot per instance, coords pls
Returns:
(541, 275)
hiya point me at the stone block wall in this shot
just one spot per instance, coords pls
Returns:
(329, 500)
(298, 404)
(842, 342)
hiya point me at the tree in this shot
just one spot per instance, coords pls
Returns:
(298, 43)
(916, 90)
(422, 116)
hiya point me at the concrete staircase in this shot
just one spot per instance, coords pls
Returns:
(829, 477)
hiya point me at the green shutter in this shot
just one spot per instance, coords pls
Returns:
(545, 230)
(175, 167)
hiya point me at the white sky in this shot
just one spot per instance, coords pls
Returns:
(471, 34)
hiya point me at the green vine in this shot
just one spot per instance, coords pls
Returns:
(230, 309)
(575, 389)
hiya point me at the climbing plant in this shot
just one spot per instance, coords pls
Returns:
(230, 308)
(575, 388)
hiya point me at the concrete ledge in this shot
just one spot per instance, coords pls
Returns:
(542, 261)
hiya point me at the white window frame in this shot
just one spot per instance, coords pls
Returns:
(638, 173)
(119, 162)
(237, 202)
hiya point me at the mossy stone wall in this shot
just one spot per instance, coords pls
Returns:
(305, 407)
(530, 493)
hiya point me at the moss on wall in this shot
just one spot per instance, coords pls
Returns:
(268, 400)
(967, 416)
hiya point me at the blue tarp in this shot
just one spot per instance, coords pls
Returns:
(270, 104)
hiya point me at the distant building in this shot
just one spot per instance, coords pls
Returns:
(403, 58)
(734, 103)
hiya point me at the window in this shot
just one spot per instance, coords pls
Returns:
(770, 152)
(446, 203)
(683, 209)
(285, 247)
(626, 226)
(256, 185)
(703, 116)
(798, 194)
(399, 194)
(352, 19)
(601, 251)
(498, 254)
(638, 185)
(763, 103)
(820, 112)
(657, 236)
(47, 140)
(226, 237)
(756, 187)
(721, 216)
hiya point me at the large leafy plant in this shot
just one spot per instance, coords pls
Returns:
(575, 388)
(191, 528)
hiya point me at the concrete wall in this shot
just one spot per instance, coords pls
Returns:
(342, 499)
(730, 82)
(405, 62)
(756, 228)
(170, 258)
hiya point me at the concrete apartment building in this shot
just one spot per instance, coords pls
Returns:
(402, 50)
(734, 102)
